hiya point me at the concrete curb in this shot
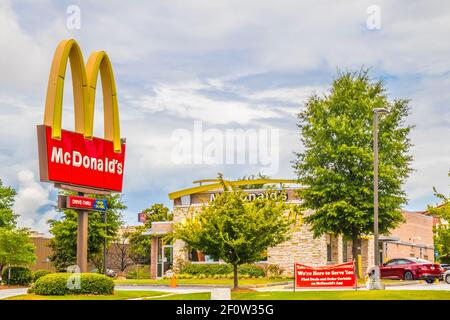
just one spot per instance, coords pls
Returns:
(389, 284)
(186, 285)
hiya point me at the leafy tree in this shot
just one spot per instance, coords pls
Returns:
(7, 216)
(157, 212)
(336, 166)
(254, 185)
(16, 249)
(235, 230)
(442, 230)
(140, 246)
(64, 230)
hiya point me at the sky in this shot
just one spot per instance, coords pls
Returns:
(219, 67)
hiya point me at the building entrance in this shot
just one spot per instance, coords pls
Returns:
(165, 259)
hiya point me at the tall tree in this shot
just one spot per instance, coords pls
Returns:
(336, 166)
(16, 248)
(442, 230)
(64, 230)
(235, 230)
(7, 216)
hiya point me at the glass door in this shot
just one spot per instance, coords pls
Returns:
(166, 259)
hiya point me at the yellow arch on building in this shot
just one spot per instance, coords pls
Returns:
(84, 82)
(218, 185)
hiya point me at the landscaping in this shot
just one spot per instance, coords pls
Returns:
(56, 284)
(344, 295)
(254, 295)
(202, 281)
(117, 295)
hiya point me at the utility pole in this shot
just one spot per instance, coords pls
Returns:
(376, 112)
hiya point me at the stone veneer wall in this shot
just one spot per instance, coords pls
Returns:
(302, 248)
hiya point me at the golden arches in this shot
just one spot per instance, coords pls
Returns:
(84, 82)
(218, 185)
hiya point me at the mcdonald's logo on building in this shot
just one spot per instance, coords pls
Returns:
(79, 159)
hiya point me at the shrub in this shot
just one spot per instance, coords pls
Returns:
(140, 272)
(444, 259)
(206, 268)
(40, 273)
(58, 284)
(250, 270)
(274, 270)
(19, 276)
(212, 269)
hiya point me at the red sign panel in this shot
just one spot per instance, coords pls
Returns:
(77, 161)
(76, 202)
(141, 217)
(340, 275)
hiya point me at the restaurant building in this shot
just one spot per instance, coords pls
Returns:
(413, 238)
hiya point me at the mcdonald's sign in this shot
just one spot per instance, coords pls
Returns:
(78, 158)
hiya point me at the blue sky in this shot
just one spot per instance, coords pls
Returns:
(229, 64)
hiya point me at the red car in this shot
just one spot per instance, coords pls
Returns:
(411, 269)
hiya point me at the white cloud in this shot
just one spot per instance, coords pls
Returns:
(184, 100)
(31, 196)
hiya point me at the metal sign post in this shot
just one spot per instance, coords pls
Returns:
(82, 205)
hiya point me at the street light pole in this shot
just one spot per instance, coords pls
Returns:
(376, 112)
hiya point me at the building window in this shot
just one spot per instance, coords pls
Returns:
(328, 238)
(344, 251)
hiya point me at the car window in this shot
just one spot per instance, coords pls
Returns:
(420, 261)
(403, 261)
(391, 263)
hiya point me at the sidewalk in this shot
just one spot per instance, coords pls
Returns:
(6, 293)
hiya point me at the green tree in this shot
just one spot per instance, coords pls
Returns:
(7, 216)
(442, 230)
(64, 230)
(254, 186)
(16, 249)
(336, 166)
(157, 212)
(140, 244)
(235, 230)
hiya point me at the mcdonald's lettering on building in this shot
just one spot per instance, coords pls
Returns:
(78, 158)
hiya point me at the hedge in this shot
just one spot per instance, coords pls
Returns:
(40, 273)
(140, 272)
(19, 276)
(212, 269)
(59, 284)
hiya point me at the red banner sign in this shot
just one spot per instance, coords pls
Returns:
(340, 275)
(77, 161)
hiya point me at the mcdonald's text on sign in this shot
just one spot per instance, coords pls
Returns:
(341, 275)
(77, 161)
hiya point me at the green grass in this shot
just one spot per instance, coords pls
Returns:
(118, 295)
(186, 296)
(242, 282)
(345, 295)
